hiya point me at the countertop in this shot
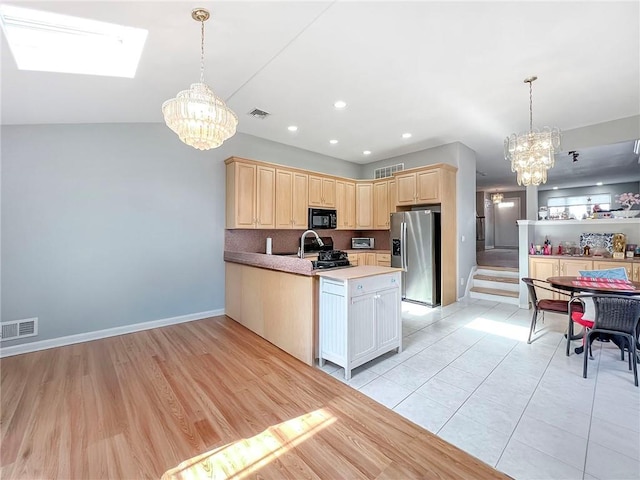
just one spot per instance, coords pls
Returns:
(356, 272)
(590, 257)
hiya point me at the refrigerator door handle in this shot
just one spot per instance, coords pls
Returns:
(403, 245)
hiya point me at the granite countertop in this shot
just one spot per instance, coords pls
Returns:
(356, 272)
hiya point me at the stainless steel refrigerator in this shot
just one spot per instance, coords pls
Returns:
(415, 247)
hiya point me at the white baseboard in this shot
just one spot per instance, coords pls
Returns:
(108, 332)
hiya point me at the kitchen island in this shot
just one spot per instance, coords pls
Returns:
(276, 297)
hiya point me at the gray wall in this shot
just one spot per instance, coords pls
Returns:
(108, 225)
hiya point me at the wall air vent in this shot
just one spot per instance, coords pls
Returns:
(257, 113)
(384, 172)
(19, 329)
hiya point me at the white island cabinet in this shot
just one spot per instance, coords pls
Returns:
(359, 315)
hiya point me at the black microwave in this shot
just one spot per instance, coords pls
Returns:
(322, 218)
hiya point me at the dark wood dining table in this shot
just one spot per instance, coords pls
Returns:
(566, 284)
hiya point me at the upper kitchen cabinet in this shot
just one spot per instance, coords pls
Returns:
(416, 188)
(322, 191)
(250, 200)
(346, 204)
(364, 206)
(382, 204)
(292, 191)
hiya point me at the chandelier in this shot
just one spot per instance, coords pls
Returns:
(532, 153)
(199, 117)
(497, 197)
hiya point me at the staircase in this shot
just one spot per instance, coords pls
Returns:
(498, 284)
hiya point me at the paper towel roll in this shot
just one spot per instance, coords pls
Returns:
(269, 246)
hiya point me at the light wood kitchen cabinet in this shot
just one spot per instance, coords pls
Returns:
(346, 204)
(603, 265)
(359, 319)
(383, 259)
(636, 272)
(364, 206)
(250, 201)
(368, 258)
(543, 268)
(381, 205)
(416, 188)
(292, 189)
(392, 197)
(322, 191)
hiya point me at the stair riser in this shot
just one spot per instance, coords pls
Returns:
(510, 287)
(494, 298)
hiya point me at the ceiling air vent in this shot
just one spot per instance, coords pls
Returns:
(19, 329)
(257, 113)
(384, 172)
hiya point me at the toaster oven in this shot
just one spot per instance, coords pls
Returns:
(362, 242)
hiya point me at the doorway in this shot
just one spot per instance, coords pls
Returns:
(506, 214)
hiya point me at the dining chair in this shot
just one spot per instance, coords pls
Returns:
(546, 305)
(617, 315)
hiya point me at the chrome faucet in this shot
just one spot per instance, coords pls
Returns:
(304, 235)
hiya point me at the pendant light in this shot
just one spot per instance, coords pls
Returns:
(199, 117)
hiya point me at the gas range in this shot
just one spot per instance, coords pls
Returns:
(331, 259)
(323, 264)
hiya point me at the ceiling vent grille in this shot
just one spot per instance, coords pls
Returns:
(257, 113)
(19, 329)
(384, 172)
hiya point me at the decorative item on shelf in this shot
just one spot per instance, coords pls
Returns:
(630, 249)
(619, 244)
(627, 200)
(532, 153)
(497, 198)
(199, 117)
(543, 213)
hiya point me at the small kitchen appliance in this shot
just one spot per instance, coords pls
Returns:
(322, 218)
(362, 242)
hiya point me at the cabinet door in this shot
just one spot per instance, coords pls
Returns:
(300, 200)
(428, 186)
(244, 195)
(329, 192)
(572, 267)
(362, 327)
(392, 196)
(406, 189)
(367, 259)
(381, 205)
(364, 205)
(350, 193)
(353, 259)
(603, 265)
(387, 321)
(266, 198)
(284, 199)
(636, 272)
(543, 268)
(315, 191)
(345, 204)
(383, 259)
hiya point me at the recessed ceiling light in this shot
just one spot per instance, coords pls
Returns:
(50, 42)
(406, 135)
(333, 141)
(555, 188)
(292, 128)
(340, 104)
(599, 184)
(367, 152)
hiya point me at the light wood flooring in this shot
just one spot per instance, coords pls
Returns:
(205, 399)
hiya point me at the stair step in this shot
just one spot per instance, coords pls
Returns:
(499, 269)
(495, 291)
(492, 278)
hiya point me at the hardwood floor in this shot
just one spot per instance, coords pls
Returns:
(205, 399)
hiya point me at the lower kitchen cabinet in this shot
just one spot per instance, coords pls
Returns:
(359, 319)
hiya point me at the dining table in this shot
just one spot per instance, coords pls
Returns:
(575, 285)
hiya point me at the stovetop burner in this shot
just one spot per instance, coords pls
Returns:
(323, 264)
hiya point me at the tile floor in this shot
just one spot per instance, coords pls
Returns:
(467, 374)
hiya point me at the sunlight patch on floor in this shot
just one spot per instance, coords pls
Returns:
(417, 309)
(513, 332)
(244, 457)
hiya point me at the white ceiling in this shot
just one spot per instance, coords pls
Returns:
(444, 71)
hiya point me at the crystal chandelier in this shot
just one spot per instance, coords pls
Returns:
(497, 197)
(532, 153)
(199, 117)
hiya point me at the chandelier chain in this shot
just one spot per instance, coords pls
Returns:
(530, 105)
(201, 50)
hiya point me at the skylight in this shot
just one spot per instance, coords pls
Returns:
(50, 42)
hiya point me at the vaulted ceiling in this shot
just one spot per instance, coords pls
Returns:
(442, 71)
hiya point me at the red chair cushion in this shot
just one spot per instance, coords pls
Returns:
(577, 317)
